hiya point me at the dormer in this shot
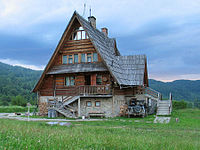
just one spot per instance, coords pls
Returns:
(79, 34)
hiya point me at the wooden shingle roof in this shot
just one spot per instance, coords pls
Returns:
(127, 70)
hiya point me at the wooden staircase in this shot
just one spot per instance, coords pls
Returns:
(65, 111)
(164, 107)
(63, 107)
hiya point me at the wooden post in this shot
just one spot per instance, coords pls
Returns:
(113, 100)
(37, 98)
(170, 96)
(158, 100)
(79, 107)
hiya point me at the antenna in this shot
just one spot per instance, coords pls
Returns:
(84, 10)
(90, 11)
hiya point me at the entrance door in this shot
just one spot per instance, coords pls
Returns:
(87, 80)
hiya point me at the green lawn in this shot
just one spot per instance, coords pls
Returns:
(117, 133)
(13, 109)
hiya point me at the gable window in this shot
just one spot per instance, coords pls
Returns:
(97, 103)
(64, 59)
(70, 59)
(89, 57)
(70, 81)
(75, 58)
(82, 57)
(99, 79)
(95, 57)
(89, 104)
(79, 34)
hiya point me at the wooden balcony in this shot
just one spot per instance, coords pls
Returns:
(94, 90)
(84, 90)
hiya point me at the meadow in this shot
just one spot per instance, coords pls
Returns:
(115, 133)
(16, 109)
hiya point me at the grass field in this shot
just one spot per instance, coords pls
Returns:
(117, 133)
(13, 109)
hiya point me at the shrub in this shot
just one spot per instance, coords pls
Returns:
(18, 100)
(179, 104)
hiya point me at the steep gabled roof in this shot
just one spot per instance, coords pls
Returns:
(126, 70)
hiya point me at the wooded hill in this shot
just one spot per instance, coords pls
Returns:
(16, 84)
(181, 89)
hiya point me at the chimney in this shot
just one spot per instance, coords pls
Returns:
(92, 21)
(104, 31)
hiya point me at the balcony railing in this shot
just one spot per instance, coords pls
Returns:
(78, 90)
(93, 90)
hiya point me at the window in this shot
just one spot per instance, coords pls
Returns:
(82, 57)
(70, 81)
(97, 104)
(89, 104)
(64, 59)
(149, 102)
(83, 35)
(89, 57)
(75, 58)
(95, 57)
(70, 59)
(99, 79)
(79, 34)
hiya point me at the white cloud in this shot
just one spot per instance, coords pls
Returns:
(126, 15)
(169, 78)
(18, 63)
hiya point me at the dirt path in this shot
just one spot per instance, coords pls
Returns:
(15, 117)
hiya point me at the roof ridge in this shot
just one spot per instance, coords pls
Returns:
(89, 23)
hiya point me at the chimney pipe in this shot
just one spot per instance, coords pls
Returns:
(92, 21)
(104, 31)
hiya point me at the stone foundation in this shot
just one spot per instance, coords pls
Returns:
(109, 105)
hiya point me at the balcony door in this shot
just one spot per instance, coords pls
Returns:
(87, 80)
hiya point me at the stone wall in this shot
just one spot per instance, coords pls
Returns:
(111, 105)
(152, 106)
(43, 104)
(119, 100)
(105, 106)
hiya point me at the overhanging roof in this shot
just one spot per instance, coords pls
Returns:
(75, 68)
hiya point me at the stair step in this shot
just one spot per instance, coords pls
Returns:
(163, 103)
(163, 107)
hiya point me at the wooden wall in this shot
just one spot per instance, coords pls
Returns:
(47, 85)
(128, 91)
(75, 47)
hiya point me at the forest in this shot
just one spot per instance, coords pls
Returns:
(16, 84)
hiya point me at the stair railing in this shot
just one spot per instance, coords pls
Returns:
(153, 93)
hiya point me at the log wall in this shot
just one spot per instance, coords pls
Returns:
(75, 47)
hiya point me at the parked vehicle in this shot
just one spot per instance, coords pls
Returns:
(137, 108)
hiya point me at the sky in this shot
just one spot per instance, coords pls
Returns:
(167, 31)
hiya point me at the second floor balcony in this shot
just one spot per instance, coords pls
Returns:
(83, 90)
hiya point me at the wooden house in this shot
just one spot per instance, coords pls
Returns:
(87, 75)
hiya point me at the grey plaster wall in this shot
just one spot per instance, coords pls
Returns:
(118, 101)
(105, 106)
